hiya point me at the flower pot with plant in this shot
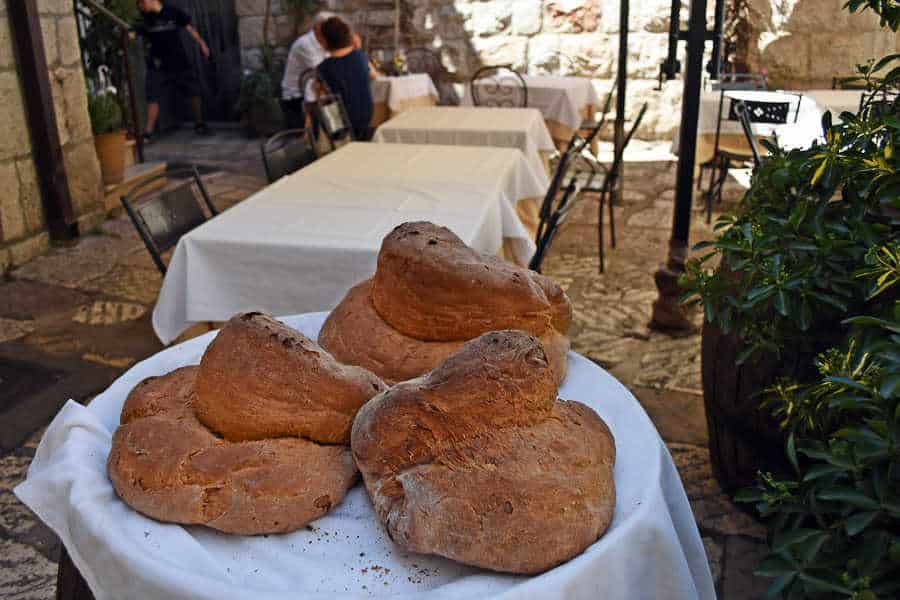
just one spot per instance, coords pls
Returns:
(258, 102)
(109, 135)
(788, 273)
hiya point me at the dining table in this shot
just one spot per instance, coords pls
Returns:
(394, 94)
(521, 128)
(299, 244)
(837, 101)
(652, 548)
(566, 102)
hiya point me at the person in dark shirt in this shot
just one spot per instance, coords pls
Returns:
(347, 72)
(167, 62)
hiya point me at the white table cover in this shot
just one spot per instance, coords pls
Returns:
(794, 134)
(837, 101)
(651, 551)
(393, 91)
(301, 243)
(521, 128)
(559, 98)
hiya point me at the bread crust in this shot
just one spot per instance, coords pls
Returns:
(430, 294)
(479, 462)
(267, 476)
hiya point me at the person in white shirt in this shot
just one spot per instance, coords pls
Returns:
(306, 52)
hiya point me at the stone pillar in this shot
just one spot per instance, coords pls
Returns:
(22, 226)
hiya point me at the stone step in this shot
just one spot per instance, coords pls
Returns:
(135, 175)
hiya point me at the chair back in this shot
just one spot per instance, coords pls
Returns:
(306, 78)
(879, 103)
(741, 81)
(426, 60)
(498, 86)
(331, 116)
(161, 218)
(287, 151)
(555, 220)
(743, 114)
(849, 83)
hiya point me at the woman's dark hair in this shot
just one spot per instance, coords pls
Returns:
(336, 34)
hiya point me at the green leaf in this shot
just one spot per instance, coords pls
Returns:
(748, 495)
(850, 496)
(859, 521)
(784, 540)
(824, 586)
(889, 386)
(781, 302)
(792, 452)
(846, 381)
(779, 584)
(773, 566)
(805, 316)
(821, 471)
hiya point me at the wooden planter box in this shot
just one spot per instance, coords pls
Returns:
(743, 438)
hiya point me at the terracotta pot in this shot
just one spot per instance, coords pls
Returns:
(111, 152)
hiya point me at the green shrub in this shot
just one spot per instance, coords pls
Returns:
(105, 112)
(815, 244)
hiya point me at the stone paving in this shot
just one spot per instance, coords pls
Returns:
(79, 316)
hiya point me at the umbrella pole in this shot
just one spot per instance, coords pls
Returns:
(668, 313)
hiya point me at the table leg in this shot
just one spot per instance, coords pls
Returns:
(70, 585)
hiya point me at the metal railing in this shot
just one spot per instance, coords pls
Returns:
(90, 9)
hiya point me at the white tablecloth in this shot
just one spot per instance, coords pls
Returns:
(651, 551)
(521, 128)
(393, 91)
(801, 133)
(561, 99)
(837, 101)
(301, 243)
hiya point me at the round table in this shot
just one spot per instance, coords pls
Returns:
(651, 550)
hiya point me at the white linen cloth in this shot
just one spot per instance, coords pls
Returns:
(801, 133)
(652, 549)
(837, 101)
(521, 128)
(301, 243)
(393, 91)
(559, 98)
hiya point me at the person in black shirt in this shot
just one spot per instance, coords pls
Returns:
(167, 62)
(347, 72)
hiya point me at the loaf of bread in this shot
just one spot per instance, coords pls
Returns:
(430, 294)
(254, 440)
(479, 462)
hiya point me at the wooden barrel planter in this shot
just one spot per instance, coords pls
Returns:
(743, 438)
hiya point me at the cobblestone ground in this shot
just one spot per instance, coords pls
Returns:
(77, 317)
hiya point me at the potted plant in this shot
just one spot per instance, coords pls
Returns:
(109, 134)
(258, 102)
(782, 275)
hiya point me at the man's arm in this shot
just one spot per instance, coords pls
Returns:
(204, 49)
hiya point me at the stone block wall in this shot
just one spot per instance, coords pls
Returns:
(22, 227)
(802, 43)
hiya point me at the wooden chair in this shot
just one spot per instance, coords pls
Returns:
(331, 117)
(498, 86)
(161, 218)
(287, 151)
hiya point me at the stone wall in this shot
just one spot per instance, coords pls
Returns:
(802, 43)
(22, 228)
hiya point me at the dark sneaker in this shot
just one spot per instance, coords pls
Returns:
(202, 129)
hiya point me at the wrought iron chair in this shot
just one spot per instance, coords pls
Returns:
(426, 60)
(608, 188)
(849, 83)
(287, 151)
(741, 81)
(498, 86)
(740, 108)
(306, 77)
(331, 116)
(880, 102)
(555, 220)
(161, 218)
(773, 112)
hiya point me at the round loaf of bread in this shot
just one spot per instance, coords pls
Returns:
(430, 294)
(284, 462)
(479, 462)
